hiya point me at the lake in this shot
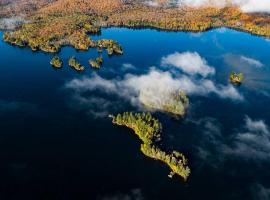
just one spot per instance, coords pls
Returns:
(57, 141)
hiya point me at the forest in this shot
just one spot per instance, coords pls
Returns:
(53, 24)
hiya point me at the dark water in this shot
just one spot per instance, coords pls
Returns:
(57, 143)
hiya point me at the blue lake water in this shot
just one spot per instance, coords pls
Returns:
(56, 141)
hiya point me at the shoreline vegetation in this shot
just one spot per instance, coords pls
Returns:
(49, 33)
(148, 129)
(70, 22)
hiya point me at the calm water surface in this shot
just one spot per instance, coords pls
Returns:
(57, 143)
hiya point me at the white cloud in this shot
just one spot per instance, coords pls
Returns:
(254, 5)
(260, 192)
(128, 88)
(11, 23)
(253, 142)
(250, 142)
(94, 105)
(245, 5)
(251, 61)
(242, 62)
(128, 66)
(189, 62)
(199, 3)
(256, 126)
(89, 84)
(162, 83)
(158, 84)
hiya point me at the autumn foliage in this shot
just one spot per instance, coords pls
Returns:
(68, 22)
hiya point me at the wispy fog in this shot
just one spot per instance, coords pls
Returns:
(11, 23)
(157, 82)
(249, 142)
(245, 5)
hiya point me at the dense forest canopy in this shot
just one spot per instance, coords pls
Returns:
(51, 24)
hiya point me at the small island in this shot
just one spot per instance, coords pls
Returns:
(96, 63)
(174, 102)
(56, 62)
(111, 46)
(72, 62)
(236, 78)
(148, 129)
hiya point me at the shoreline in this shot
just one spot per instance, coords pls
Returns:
(138, 28)
(185, 31)
(149, 130)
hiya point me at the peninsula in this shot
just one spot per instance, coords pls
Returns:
(148, 129)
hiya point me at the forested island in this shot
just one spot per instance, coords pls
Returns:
(53, 24)
(56, 62)
(148, 129)
(96, 63)
(236, 78)
(72, 62)
(173, 102)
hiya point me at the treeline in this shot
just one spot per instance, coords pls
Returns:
(188, 19)
(148, 130)
(50, 32)
(70, 22)
(85, 6)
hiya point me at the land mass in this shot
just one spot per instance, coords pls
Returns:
(148, 129)
(173, 102)
(52, 24)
